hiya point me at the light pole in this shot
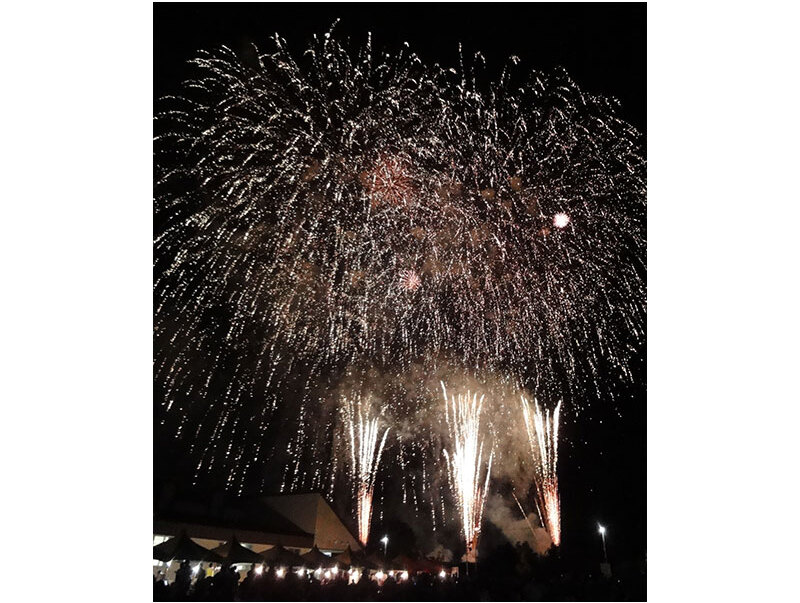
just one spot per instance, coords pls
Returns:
(602, 531)
(385, 541)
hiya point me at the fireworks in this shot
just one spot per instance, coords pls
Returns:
(388, 182)
(465, 464)
(409, 280)
(560, 220)
(363, 432)
(292, 198)
(543, 438)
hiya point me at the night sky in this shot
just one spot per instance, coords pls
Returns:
(603, 458)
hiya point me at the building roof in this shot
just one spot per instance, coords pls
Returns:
(294, 520)
(312, 513)
(233, 513)
(219, 517)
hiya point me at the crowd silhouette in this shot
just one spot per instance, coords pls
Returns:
(510, 575)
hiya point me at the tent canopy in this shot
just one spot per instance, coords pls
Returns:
(184, 548)
(346, 556)
(349, 557)
(316, 558)
(277, 556)
(234, 552)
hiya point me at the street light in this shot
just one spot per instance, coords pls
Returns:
(602, 531)
(385, 541)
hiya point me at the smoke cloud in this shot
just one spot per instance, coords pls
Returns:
(514, 527)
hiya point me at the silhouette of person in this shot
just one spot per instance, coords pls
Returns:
(183, 579)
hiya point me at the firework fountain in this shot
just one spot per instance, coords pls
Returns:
(543, 438)
(465, 464)
(363, 433)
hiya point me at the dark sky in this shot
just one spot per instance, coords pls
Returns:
(603, 47)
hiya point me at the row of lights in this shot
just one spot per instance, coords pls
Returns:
(327, 574)
(380, 575)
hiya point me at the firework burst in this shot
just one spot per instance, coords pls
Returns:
(292, 193)
(409, 280)
(365, 444)
(465, 464)
(543, 439)
(560, 220)
(388, 182)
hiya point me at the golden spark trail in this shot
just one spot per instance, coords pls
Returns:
(365, 454)
(543, 438)
(463, 415)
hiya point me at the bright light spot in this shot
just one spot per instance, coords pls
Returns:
(280, 572)
(259, 569)
(301, 571)
(385, 540)
(327, 575)
(318, 571)
(404, 576)
(380, 575)
(391, 573)
(196, 568)
(560, 220)
(335, 570)
(442, 574)
(602, 529)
